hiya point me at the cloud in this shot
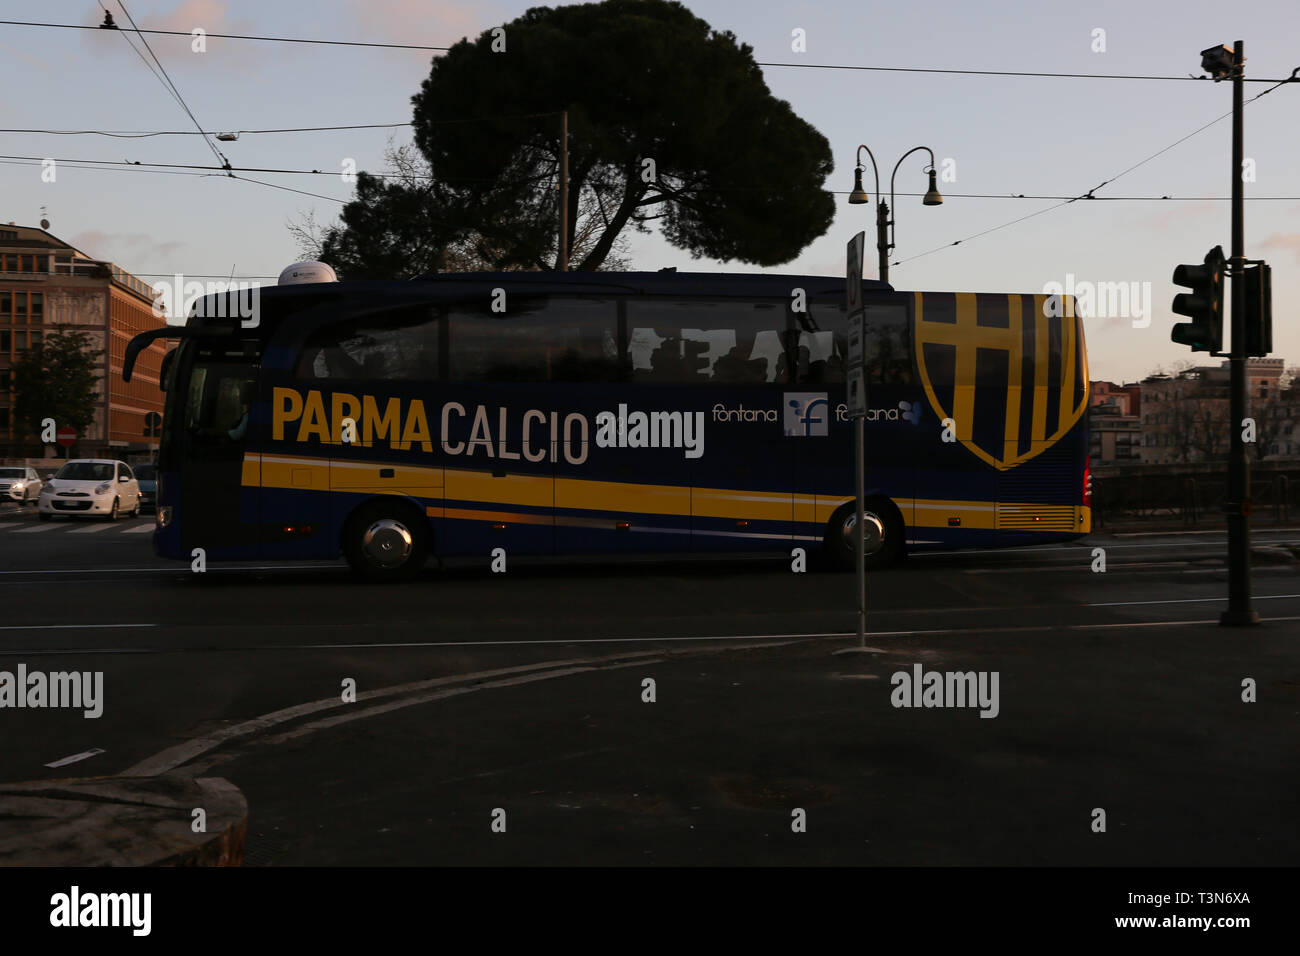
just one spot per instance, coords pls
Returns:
(1283, 241)
(130, 250)
(431, 22)
(211, 16)
(1178, 214)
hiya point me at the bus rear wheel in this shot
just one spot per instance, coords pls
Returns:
(884, 535)
(386, 542)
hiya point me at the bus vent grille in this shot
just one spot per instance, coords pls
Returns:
(1040, 495)
(1036, 518)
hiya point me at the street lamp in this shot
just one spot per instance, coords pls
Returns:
(885, 225)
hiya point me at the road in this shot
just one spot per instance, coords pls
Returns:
(520, 698)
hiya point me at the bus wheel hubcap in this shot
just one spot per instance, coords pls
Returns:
(875, 532)
(387, 543)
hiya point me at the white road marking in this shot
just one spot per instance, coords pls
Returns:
(139, 529)
(1084, 561)
(64, 627)
(1257, 597)
(43, 526)
(1153, 534)
(75, 757)
(180, 565)
(173, 757)
(91, 529)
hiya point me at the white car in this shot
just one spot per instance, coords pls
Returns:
(91, 487)
(20, 484)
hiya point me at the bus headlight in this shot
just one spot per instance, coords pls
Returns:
(164, 515)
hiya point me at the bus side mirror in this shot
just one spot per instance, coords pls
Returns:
(164, 370)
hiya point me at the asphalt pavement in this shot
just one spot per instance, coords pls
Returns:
(682, 709)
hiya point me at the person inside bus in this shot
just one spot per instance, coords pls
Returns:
(735, 367)
(245, 402)
(666, 361)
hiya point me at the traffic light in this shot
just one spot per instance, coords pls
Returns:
(1259, 310)
(1203, 305)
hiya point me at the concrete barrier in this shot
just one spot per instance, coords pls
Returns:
(122, 821)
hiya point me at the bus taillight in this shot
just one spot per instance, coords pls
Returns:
(1087, 482)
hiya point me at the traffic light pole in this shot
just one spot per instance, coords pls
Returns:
(1239, 611)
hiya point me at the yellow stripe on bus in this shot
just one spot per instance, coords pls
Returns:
(578, 494)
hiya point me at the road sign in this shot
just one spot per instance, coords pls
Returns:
(66, 437)
(853, 366)
(853, 273)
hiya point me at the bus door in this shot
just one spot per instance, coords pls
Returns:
(219, 507)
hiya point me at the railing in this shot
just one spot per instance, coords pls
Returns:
(1191, 497)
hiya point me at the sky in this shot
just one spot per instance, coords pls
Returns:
(996, 136)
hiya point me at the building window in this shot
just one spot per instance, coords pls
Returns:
(6, 340)
(6, 304)
(20, 305)
(4, 419)
(38, 305)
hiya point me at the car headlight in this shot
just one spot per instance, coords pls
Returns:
(103, 489)
(47, 490)
(18, 486)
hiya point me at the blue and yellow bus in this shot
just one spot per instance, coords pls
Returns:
(550, 413)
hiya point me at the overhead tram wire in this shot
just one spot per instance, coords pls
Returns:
(1295, 74)
(802, 66)
(170, 85)
(179, 169)
(145, 134)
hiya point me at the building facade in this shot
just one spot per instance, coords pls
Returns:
(47, 286)
(1114, 423)
(1185, 416)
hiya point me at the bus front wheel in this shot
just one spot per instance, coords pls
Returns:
(386, 542)
(884, 535)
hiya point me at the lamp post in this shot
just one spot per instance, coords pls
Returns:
(885, 225)
(884, 242)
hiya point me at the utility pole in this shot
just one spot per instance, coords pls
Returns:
(564, 192)
(1238, 506)
(882, 238)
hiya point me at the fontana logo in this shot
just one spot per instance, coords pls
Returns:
(807, 414)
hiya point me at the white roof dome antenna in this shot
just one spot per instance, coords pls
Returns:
(301, 273)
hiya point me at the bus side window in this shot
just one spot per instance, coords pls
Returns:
(682, 341)
(823, 343)
(395, 344)
(538, 339)
(887, 344)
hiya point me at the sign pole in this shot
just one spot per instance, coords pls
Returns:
(857, 410)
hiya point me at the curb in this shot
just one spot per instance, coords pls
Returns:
(122, 821)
